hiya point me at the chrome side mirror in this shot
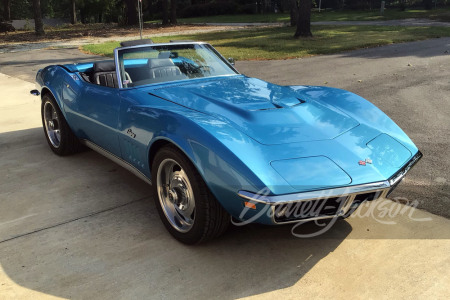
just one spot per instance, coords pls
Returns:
(231, 60)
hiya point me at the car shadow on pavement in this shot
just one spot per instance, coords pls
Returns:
(82, 227)
(127, 252)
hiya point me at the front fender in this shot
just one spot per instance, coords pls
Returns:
(221, 154)
(366, 113)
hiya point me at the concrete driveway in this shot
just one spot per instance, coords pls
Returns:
(82, 227)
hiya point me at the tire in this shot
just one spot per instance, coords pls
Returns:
(59, 136)
(187, 208)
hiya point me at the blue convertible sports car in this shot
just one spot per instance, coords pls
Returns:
(218, 145)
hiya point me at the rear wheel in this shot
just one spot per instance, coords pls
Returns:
(187, 208)
(59, 136)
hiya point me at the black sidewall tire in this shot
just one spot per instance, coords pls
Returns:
(202, 197)
(69, 143)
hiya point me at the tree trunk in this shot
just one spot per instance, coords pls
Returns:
(165, 13)
(304, 19)
(294, 12)
(73, 13)
(83, 15)
(428, 4)
(132, 16)
(173, 12)
(7, 10)
(38, 24)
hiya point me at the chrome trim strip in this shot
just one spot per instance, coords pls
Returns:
(116, 159)
(161, 44)
(402, 172)
(320, 194)
(116, 61)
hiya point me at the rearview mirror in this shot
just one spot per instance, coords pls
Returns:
(231, 60)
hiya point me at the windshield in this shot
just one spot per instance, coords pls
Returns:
(164, 63)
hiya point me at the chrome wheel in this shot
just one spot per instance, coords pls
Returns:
(52, 124)
(176, 195)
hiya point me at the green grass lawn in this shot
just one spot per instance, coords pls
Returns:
(338, 15)
(278, 43)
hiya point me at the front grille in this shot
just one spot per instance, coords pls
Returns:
(367, 197)
(317, 208)
(302, 210)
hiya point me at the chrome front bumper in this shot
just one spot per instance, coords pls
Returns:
(345, 199)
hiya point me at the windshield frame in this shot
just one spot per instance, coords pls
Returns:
(119, 49)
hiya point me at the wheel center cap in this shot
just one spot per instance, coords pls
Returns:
(51, 124)
(173, 197)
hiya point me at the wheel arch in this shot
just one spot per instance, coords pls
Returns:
(164, 141)
(47, 91)
(156, 146)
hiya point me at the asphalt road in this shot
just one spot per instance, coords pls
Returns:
(82, 227)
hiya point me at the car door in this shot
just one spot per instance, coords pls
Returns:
(136, 129)
(95, 114)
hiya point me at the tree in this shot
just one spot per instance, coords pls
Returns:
(428, 4)
(73, 13)
(294, 12)
(132, 15)
(38, 24)
(165, 12)
(304, 19)
(173, 12)
(7, 10)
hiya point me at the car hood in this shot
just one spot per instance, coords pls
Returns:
(268, 113)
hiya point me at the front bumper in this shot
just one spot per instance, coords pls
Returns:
(328, 203)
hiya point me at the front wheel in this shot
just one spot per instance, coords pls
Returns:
(187, 208)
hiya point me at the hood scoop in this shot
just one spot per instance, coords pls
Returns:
(286, 103)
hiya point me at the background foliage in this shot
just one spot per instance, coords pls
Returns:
(92, 11)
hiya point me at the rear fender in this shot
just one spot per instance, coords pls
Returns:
(62, 85)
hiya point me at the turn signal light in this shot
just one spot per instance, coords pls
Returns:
(250, 205)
